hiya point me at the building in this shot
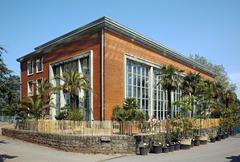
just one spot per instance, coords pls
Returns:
(118, 61)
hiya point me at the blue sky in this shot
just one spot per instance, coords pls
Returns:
(208, 28)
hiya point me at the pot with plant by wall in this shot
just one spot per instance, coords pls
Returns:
(157, 143)
(143, 149)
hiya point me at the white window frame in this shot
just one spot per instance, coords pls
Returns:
(41, 62)
(28, 73)
(37, 84)
(88, 53)
(151, 83)
(29, 93)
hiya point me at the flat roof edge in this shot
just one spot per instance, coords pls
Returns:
(107, 22)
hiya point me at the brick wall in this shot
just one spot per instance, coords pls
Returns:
(62, 52)
(115, 49)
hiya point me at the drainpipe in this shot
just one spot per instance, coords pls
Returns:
(102, 74)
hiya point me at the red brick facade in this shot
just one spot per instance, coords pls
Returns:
(115, 48)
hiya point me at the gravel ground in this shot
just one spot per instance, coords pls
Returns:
(12, 150)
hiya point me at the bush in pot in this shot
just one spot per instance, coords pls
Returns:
(143, 149)
(157, 143)
(185, 105)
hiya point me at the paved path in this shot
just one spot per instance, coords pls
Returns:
(12, 150)
(227, 150)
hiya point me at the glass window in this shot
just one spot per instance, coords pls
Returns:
(39, 84)
(137, 86)
(30, 88)
(39, 65)
(30, 67)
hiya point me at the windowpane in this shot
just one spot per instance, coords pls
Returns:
(137, 78)
(29, 67)
(39, 65)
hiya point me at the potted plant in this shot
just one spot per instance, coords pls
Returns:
(175, 133)
(157, 147)
(157, 144)
(185, 105)
(165, 149)
(143, 149)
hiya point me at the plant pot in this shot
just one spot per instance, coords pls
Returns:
(156, 149)
(165, 149)
(222, 136)
(192, 143)
(212, 140)
(218, 138)
(203, 142)
(185, 147)
(185, 144)
(196, 142)
(143, 150)
(177, 146)
(226, 135)
(171, 148)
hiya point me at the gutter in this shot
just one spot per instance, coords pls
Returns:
(102, 116)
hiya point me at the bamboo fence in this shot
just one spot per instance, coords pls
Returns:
(100, 128)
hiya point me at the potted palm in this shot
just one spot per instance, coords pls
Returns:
(186, 124)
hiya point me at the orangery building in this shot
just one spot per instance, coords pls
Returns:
(118, 62)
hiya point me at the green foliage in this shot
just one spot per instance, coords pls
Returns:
(170, 80)
(9, 86)
(67, 114)
(128, 112)
(185, 105)
(75, 115)
(73, 83)
(61, 115)
(219, 70)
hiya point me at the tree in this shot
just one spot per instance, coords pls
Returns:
(170, 80)
(45, 90)
(74, 82)
(221, 74)
(9, 84)
(189, 87)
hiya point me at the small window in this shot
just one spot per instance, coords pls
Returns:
(30, 88)
(39, 65)
(30, 67)
(39, 83)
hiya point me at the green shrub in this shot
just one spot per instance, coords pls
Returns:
(61, 116)
(130, 111)
(75, 115)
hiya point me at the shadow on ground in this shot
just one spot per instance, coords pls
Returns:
(234, 158)
(3, 142)
(5, 156)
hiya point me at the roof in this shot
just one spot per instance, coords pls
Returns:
(110, 24)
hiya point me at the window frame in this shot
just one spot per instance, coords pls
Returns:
(28, 88)
(37, 84)
(28, 62)
(41, 62)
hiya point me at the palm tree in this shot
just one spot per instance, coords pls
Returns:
(34, 106)
(44, 91)
(170, 80)
(189, 87)
(73, 83)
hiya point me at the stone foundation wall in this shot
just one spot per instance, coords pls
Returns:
(73, 143)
